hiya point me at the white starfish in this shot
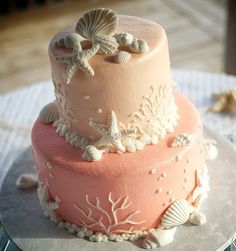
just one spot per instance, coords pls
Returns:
(110, 134)
(78, 59)
(47, 204)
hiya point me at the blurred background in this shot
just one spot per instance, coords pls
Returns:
(196, 29)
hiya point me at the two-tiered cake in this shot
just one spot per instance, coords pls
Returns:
(119, 153)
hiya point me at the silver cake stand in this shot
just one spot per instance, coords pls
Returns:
(24, 222)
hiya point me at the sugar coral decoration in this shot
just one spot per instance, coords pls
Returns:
(225, 101)
(49, 113)
(78, 60)
(97, 22)
(47, 204)
(111, 136)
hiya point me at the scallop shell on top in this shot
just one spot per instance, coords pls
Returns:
(49, 113)
(122, 57)
(108, 45)
(176, 214)
(97, 22)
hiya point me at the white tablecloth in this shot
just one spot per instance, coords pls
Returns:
(19, 109)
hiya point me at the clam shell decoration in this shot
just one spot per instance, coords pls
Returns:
(97, 22)
(27, 181)
(108, 45)
(122, 57)
(176, 214)
(69, 40)
(91, 153)
(139, 46)
(124, 38)
(49, 113)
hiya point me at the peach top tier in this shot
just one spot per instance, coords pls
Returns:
(138, 91)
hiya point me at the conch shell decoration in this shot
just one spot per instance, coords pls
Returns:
(225, 102)
(94, 30)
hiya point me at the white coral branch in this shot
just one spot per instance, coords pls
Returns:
(112, 225)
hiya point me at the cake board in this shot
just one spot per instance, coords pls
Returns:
(25, 223)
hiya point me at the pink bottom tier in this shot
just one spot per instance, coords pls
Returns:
(122, 192)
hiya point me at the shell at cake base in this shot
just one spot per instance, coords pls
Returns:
(122, 193)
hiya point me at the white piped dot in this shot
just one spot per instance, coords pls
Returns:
(86, 97)
(153, 171)
(99, 110)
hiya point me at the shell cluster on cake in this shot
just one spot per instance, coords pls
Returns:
(120, 154)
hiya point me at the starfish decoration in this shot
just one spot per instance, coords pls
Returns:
(111, 134)
(78, 59)
(47, 204)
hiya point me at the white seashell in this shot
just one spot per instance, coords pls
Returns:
(122, 57)
(97, 22)
(69, 40)
(197, 218)
(26, 181)
(49, 113)
(124, 38)
(159, 238)
(139, 46)
(108, 45)
(91, 153)
(211, 152)
(176, 214)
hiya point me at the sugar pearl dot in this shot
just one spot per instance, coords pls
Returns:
(159, 190)
(186, 179)
(49, 165)
(164, 204)
(99, 110)
(86, 97)
(164, 175)
(153, 171)
(171, 200)
(168, 192)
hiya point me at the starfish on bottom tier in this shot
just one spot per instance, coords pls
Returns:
(110, 134)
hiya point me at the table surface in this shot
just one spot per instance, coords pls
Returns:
(19, 109)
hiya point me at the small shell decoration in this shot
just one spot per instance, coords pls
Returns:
(108, 45)
(49, 113)
(26, 181)
(69, 40)
(124, 39)
(197, 218)
(159, 237)
(183, 139)
(91, 153)
(176, 214)
(139, 46)
(122, 57)
(97, 22)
